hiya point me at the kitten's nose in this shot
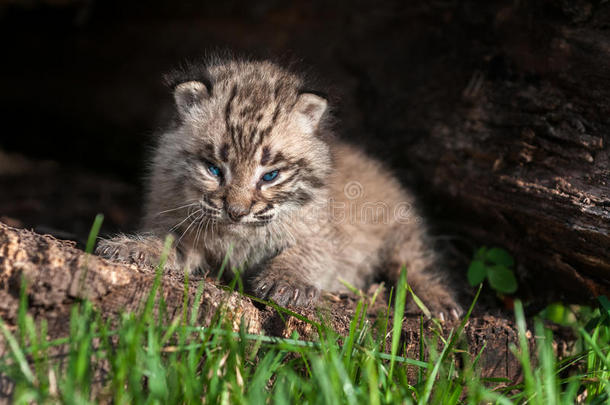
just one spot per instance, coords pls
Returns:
(236, 212)
(237, 202)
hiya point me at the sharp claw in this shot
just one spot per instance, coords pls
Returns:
(262, 291)
(455, 314)
(295, 296)
(441, 316)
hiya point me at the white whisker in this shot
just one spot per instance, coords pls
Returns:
(210, 208)
(199, 227)
(183, 221)
(187, 229)
(177, 208)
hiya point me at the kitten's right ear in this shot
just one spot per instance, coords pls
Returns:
(309, 109)
(189, 94)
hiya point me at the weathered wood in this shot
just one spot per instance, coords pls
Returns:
(58, 274)
(524, 156)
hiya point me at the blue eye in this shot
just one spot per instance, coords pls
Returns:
(271, 175)
(215, 170)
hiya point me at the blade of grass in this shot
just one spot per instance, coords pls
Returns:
(224, 263)
(523, 353)
(399, 310)
(95, 230)
(17, 353)
(432, 376)
(420, 304)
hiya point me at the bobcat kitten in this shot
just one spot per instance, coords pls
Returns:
(253, 167)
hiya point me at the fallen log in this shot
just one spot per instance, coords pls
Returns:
(58, 275)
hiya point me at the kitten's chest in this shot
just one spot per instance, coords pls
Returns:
(239, 251)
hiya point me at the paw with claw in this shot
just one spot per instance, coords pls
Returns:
(439, 301)
(284, 290)
(143, 252)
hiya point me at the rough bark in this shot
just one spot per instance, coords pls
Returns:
(523, 157)
(58, 275)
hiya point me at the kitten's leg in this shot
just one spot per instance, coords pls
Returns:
(290, 278)
(408, 246)
(143, 250)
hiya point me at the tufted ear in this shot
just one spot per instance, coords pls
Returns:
(309, 109)
(189, 94)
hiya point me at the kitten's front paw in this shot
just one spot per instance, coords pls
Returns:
(439, 301)
(141, 252)
(284, 291)
(442, 304)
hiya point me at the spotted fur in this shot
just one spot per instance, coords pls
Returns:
(249, 118)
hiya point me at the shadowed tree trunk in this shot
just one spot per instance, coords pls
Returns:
(523, 157)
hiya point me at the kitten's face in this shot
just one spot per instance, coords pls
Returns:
(253, 155)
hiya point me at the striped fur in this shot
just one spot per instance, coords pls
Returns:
(246, 119)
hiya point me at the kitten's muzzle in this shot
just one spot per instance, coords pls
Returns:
(236, 212)
(237, 202)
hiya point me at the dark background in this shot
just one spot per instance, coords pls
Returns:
(82, 81)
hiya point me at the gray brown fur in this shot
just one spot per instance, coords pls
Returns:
(330, 215)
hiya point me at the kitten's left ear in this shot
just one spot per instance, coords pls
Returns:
(309, 109)
(189, 94)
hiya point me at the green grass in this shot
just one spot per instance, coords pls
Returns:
(150, 361)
